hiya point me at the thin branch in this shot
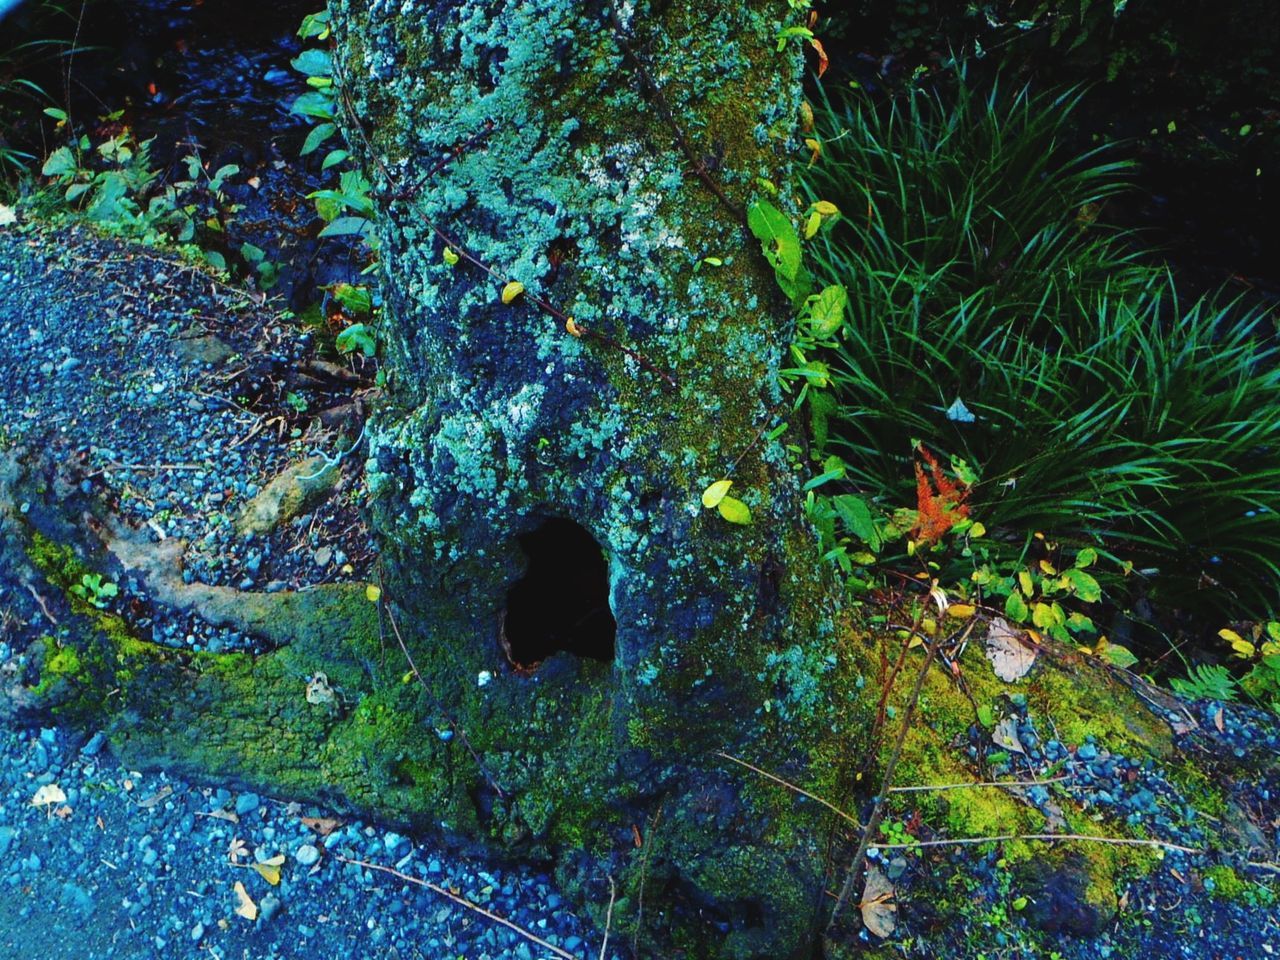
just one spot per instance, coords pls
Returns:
(985, 783)
(651, 832)
(970, 841)
(571, 326)
(608, 917)
(462, 902)
(44, 607)
(878, 804)
(791, 786)
(453, 724)
(668, 115)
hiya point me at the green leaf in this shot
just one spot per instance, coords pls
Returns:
(1015, 608)
(857, 517)
(61, 162)
(1083, 584)
(314, 104)
(1019, 903)
(826, 311)
(314, 62)
(712, 496)
(318, 135)
(56, 113)
(734, 510)
(252, 253)
(345, 227)
(358, 336)
(333, 158)
(777, 237)
(356, 299)
(1120, 656)
(315, 26)
(986, 716)
(1086, 558)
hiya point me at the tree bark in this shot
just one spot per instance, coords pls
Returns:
(597, 154)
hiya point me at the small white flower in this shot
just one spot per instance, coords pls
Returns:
(484, 678)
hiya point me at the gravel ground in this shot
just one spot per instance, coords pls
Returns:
(139, 866)
(170, 393)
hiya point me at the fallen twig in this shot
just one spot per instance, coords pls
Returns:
(608, 917)
(970, 841)
(791, 786)
(44, 607)
(462, 902)
(878, 803)
(984, 783)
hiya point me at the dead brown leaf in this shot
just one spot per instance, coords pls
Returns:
(322, 825)
(1010, 657)
(879, 912)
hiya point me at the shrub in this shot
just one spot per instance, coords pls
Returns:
(993, 317)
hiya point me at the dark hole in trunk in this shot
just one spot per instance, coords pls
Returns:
(562, 601)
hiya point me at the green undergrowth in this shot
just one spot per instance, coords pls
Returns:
(994, 317)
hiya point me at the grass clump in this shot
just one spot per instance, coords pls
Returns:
(993, 317)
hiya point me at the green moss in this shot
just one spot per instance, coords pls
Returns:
(1224, 883)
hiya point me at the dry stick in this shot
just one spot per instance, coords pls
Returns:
(969, 841)
(44, 607)
(791, 786)
(461, 901)
(985, 783)
(608, 917)
(453, 724)
(652, 830)
(878, 804)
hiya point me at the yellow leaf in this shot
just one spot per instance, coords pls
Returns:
(373, 593)
(270, 872)
(1230, 636)
(814, 145)
(811, 225)
(512, 290)
(806, 116)
(1024, 580)
(450, 256)
(734, 510)
(961, 611)
(929, 626)
(1243, 648)
(49, 795)
(245, 907)
(1048, 567)
(712, 496)
(572, 327)
(977, 530)
(826, 208)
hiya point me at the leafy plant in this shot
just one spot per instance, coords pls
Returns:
(93, 589)
(116, 186)
(1206, 682)
(990, 315)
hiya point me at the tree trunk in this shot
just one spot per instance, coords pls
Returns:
(597, 154)
(571, 658)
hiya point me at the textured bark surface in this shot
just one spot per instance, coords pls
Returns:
(499, 421)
